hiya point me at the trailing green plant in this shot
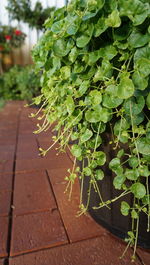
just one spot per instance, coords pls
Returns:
(95, 58)
(22, 11)
(19, 83)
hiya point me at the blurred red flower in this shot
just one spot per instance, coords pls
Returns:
(18, 32)
(8, 37)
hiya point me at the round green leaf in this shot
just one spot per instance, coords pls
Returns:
(73, 23)
(86, 136)
(57, 27)
(76, 150)
(143, 146)
(114, 163)
(113, 19)
(105, 115)
(100, 27)
(138, 189)
(61, 47)
(92, 116)
(148, 101)
(133, 161)
(83, 88)
(120, 153)
(125, 207)
(99, 174)
(125, 88)
(73, 54)
(144, 171)
(70, 104)
(134, 214)
(132, 174)
(65, 72)
(139, 82)
(87, 171)
(143, 52)
(118, 181)
(94, 142)
(96, 97)
(135, 105)
(143, 66)
(84, 39)
(100, 158)
(88, 15)
(136, 39)
(111, 102)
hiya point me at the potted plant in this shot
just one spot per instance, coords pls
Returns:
(95, 58)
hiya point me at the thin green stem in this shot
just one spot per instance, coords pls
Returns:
(134, 139)
(45, 151)
(113, 200)
(136, 238)
(148, 221)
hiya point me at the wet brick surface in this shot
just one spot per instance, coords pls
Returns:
(97, 251)
(6, 181)
(42, 163)
(144, 255)
(78, 228)
(3, 236)
(5, 202)
(2, 262)
(37, 231)
(6, 166)
(32, 193)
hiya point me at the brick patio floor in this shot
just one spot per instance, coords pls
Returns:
(38, 225)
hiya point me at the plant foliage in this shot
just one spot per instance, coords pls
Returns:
(95, 57)
(19, 83)
(10, 37)
(22, 11)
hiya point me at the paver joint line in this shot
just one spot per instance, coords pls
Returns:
(13, 182)
(48, 177)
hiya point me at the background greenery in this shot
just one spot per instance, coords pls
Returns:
(22, 11)
(19, 83)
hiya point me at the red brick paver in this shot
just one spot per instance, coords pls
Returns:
(78, 228)
(43, 163)
(5, 202)
(8, 139)
(3, 236)
(7, 152)
(32, 193)
(2, 262)
(6, 181)
(97, 251)
(144, 256)
(6, 166)
(37, 231)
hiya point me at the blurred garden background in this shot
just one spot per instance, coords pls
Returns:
(21, 26)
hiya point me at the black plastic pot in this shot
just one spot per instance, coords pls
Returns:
(112, 219)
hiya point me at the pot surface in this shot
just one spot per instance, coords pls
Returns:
(112, 219)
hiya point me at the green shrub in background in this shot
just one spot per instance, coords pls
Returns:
(19, 83)
(22, 11)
